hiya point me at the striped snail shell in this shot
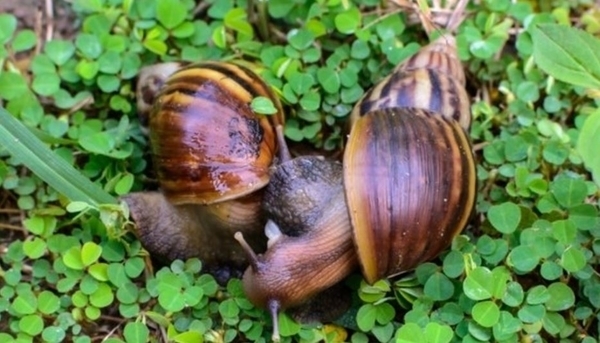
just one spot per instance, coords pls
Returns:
(207, 143)
(409, 177)
(212, 156)
(433, 79)
(409, 169)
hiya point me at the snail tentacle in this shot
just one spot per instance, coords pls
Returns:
(274, 307)
(284, 152)
(252, 257)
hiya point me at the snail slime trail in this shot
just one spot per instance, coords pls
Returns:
(405, 189)
(212, 155)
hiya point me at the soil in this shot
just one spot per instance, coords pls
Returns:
(48, 18)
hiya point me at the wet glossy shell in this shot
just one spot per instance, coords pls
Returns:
(420, 88)
(208, 145)
(433, 79)
(409, 177)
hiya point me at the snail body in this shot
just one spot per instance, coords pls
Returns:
(408, 180)
(294, 182)
(212, 156)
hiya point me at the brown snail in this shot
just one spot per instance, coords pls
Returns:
(212, 155)
(405, 189)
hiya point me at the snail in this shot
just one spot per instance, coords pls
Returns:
(212, 155)
(405, 189)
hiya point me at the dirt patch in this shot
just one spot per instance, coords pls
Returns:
(48, 18)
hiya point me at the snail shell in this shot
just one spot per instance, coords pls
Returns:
(212, 156)
(409, 177)
(433, 79)
(207, 143)
(409, 170)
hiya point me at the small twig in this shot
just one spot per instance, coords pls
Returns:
(480, 146)
(202, 6)
(11, 227)
(278, 35)
(83, 103)
(114, 329)
(489, 183)
(403, 3)
(50, 20)
(38, 31)
(117, 320)
(449, 16)
(457, 15)
(383, 17)
(163, 334)
(10, 210)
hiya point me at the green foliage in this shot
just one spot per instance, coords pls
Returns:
(526, 269)
(589, 137)
(263, 105)
(55, 172)
(567, 54)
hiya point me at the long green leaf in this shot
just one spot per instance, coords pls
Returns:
(588, 143)
(43, 162)
(568, 54)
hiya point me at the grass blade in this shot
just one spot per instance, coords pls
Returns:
(43, 162)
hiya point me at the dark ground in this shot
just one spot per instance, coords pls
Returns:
(48, 18)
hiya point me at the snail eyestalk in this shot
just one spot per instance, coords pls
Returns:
(252, 258)
(284, 152)
(274, 310)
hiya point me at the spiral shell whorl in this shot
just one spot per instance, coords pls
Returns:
(433, 79)
(439, 55)
(418, 88)
(149, 82)
(207, 143)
